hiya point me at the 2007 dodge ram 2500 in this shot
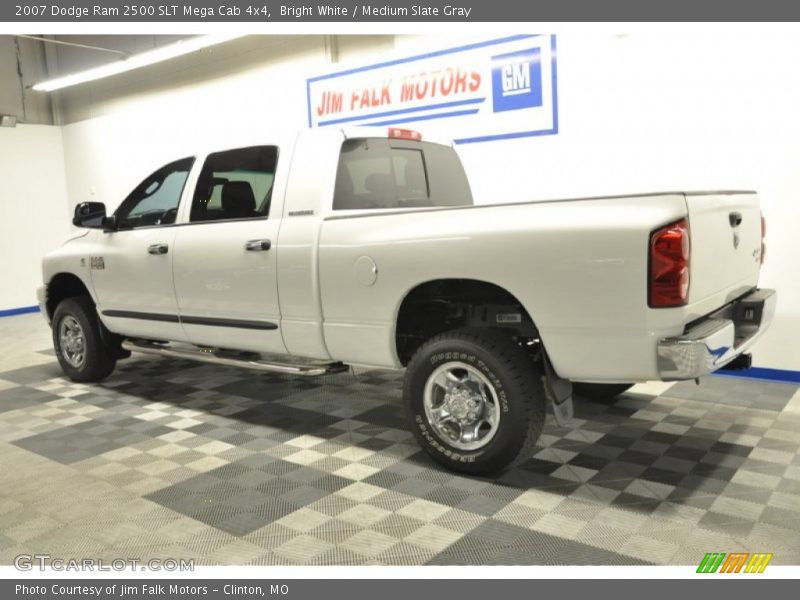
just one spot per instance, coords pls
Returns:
(308, 253)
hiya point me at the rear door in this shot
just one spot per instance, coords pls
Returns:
(225, 256)
(725, 230)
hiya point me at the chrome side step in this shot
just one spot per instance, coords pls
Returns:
(247, 360)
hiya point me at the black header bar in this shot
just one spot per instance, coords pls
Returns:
(357, 11)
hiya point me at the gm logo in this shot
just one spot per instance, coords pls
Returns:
(517, 80)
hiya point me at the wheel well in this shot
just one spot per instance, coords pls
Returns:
(442, 305)
(62, 286)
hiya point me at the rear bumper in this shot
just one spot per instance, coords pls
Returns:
(716, 340)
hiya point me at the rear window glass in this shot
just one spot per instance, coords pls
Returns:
(383, 173)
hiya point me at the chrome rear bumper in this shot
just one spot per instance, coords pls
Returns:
(716, 340)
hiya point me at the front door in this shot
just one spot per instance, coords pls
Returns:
(131, 268)
(225, 261)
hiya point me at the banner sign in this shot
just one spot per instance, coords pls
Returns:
(492, 90)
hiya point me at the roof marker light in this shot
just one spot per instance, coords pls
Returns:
(404, 134)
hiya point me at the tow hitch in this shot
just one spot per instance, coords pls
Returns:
(740, 363)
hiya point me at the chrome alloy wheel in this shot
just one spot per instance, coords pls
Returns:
(72, 341)
(461, 405)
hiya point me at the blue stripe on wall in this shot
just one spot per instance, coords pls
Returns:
(18, 311)
(781, 375)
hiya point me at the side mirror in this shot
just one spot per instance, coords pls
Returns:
(90, 215)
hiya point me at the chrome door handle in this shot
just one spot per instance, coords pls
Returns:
(158, 249)
(258, 245)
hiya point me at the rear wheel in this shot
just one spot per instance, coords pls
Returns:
(474, 400)
(600, 391)
(84, 353)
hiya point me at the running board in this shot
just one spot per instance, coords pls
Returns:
(247, 360)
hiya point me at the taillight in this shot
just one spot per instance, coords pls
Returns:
(669, 265)
(763, 235)
(404, 134)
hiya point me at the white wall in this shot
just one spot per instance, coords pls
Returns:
(637, 113)
(23, 63)
(34, 218)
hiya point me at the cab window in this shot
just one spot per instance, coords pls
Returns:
(155, 200)
(389, 174)
(235, 184)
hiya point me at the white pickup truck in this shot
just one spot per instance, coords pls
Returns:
(309, 253)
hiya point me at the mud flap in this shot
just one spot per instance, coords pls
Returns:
(112, 341)
(559, 392)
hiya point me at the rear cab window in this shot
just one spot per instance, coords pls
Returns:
(381, 173)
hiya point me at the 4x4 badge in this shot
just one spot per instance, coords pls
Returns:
(97, 263)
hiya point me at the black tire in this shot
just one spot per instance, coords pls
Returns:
(98, 352)
(600, 391)
(517, 385)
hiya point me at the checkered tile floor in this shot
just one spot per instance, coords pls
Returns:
(175, 459)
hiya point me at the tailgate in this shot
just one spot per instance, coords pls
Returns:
(725, 229)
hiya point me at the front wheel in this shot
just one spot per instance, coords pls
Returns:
(475, 400)
(82, 351)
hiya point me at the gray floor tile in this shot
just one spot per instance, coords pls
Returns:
(263, 469)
